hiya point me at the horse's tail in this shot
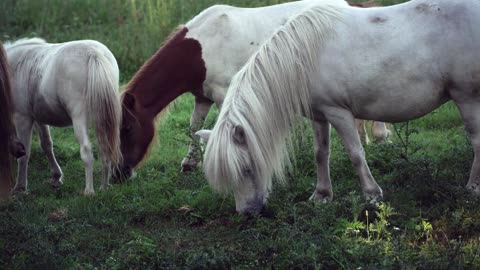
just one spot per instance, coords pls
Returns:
(6, 127)
(104, 104)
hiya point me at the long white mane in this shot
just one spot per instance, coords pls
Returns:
(266, 97)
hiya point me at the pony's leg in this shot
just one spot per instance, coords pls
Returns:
(362, 131)
(24, 127)
(47, 147)
(344, 122)
(105, 173)
(200, 112)
(470, 112)
(321, 139)
(380, 132)
(80, 127)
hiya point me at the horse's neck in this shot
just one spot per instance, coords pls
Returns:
(176, 68)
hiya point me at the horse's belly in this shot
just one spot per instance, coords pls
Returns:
(52, 115)
(399, 110)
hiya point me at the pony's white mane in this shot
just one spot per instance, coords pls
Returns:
(24, 41)
(266, 97)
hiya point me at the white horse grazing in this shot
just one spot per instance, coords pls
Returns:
(61, 85)
(229, 36)
(408, 59)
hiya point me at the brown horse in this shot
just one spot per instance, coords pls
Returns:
(10, 147)
(201, 58)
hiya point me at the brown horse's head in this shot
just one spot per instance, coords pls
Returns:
(136, 135)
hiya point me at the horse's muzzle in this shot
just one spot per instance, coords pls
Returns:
(122, 173)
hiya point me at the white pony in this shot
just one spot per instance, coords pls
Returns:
(229, 36)
(65, 84)
(408, 59)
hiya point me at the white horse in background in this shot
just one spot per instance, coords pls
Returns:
(60, 85)
(408, 59)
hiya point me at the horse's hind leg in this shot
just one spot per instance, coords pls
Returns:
(344, 122)
(380, 132)
(470, 112)
(80, 128)
(105, 173)
(321, 139)
(23, 126)
(200, 112)
(362, 131)
(47, 147)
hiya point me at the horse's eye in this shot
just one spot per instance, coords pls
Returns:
(247, 172)
(127, 129)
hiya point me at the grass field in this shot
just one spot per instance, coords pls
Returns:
(163, 219)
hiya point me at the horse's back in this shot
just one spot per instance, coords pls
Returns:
(59, 78)
(229, 35)
(400, 60)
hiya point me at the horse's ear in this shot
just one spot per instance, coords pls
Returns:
(239, 135)
(204, 134)
(128, 101)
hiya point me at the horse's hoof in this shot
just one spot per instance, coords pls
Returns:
(321, 197)
(474, 188)
(105, 187)
(55, 185)
(374, 199)
(19, 191)
(186, 168)
(188, 165)
(88, 192)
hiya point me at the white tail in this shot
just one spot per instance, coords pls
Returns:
(104, 105)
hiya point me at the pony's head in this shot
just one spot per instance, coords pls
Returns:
(230, 165)
(247, 146)
(136, 135)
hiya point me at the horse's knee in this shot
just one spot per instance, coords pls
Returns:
(357, 159)
(86, 154)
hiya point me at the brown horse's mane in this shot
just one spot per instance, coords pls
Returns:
(151, 62)
(6, 127)
(139, 76)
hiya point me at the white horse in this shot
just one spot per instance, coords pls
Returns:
(235, 34)
(408, 59)
(60, 85)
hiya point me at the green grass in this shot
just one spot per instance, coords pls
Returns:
(164, 219)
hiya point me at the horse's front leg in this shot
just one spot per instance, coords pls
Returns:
(23, 127)
(80, 127)
(321, 139)
(200, 112)
(344, 122)
(47, 147)
(470, 111)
